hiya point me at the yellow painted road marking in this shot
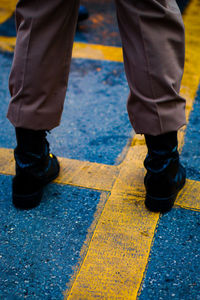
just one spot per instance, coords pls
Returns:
(120, 246)
(87, 174)
(191, 77)
(7, 44)
(102, 177)
(98, 52)
(73, 172)
(7, 7)
(189, 197)
(80, 50)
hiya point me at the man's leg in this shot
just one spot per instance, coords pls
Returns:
(152, 33)
(38, 79)
(38, 82)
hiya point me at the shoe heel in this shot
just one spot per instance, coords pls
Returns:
(159, 204)
(26, 193)
(27, 201)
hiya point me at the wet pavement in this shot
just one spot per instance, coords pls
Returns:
(86, 241)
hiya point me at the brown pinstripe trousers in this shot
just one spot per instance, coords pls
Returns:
(152, 34)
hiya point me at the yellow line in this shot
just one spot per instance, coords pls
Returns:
(80, 50)
(98, 52)
(73, 172)
(87, 174)
(191, 77)
(7, 44)
(7, 8)
(189, 197)
(119, 249)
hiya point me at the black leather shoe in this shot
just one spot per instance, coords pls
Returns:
(35, 168)
(165, 175)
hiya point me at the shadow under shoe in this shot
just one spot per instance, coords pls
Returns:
(164, 179)
(33, 172)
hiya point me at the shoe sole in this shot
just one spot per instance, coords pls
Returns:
(157, 204)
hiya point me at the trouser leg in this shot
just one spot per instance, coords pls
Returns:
(152, 33)
(39, 74)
